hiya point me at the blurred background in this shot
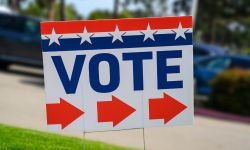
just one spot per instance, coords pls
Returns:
(221, 40)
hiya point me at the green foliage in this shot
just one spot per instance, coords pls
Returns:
(105, 14)
(71, 12)
(231, 92)
(35, 10)
(39, 8)
(100, 14)
(126, 14)
(246, 51)
(20, 139)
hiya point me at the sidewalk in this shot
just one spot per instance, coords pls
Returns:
(22, 104)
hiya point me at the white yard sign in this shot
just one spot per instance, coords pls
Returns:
(118, 74)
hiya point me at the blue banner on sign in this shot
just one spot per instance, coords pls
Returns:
(106, 43)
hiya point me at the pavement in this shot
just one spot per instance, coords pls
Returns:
(22, 104)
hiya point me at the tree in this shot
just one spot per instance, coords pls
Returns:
(214, 18)
(116, 8)
(15, 4)
(39, 8)
(182, 6)
(51, 11)
(149, 7)
(70, 10)
(49, 5)
(62, 10)
(100, 14)
(106, 14)
(41, 5)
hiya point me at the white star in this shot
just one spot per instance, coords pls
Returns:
(85, 36)
(53, 37)
(117, 35)
(148, 34)
(180, 32)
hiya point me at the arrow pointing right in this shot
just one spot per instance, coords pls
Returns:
(165, 108)
(62, 113)
(114, 111)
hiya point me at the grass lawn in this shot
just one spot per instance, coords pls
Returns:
(12, 138)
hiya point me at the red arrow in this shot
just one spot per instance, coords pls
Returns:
(113, 111)
(62, 113)
(164, 108)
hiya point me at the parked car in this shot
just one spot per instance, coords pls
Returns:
(206, 69)
(5, 9)
(204, 50)
(19, 40)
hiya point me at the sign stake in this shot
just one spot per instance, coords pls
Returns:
(144, 142)
(84, 145)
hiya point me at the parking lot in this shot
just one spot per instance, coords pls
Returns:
(23, 105)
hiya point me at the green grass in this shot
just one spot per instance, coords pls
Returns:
(12, 138)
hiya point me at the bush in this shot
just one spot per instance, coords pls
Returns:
(231, 92)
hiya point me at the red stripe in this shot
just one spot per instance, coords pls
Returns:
(109, 25)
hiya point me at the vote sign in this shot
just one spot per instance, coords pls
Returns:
(118, 74)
